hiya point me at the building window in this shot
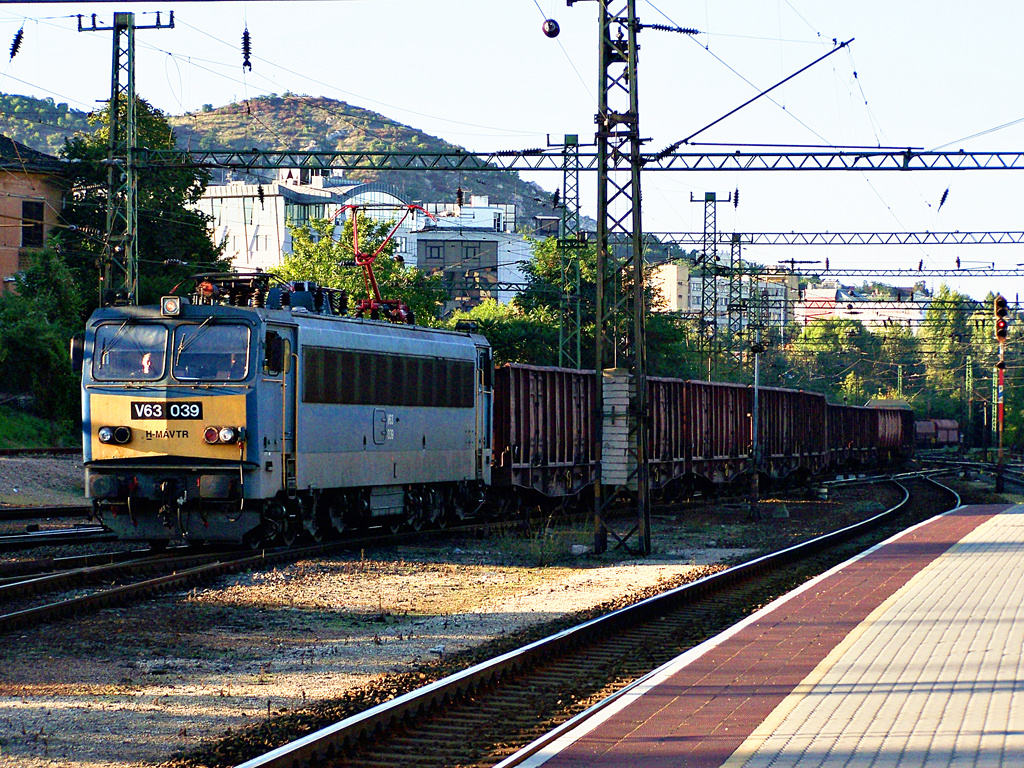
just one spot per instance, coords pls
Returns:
(32, 224)
(435, 255)
(471, 255)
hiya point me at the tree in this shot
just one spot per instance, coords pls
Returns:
(946, 343)
(37, 321)
(827, 351)
(174, 240)
(516, 336)
(319, 255)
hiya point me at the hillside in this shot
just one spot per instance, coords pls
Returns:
(39, 123)
(320, 124)
(293, 122)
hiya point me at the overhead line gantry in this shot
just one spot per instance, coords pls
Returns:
(552, 160)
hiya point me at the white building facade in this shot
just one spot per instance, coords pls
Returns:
(253, 220)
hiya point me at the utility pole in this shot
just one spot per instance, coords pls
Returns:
(571, 242)
(708, 319)
(1002, 312)
(620, 276)
(758, 318)
(969, 401)
(119, 276)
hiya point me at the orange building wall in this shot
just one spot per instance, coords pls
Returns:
(17, 186)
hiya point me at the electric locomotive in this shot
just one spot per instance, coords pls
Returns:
(247, 412)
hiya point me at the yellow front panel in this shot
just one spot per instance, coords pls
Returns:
(165, 436)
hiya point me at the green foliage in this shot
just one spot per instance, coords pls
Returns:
(39, 123)
(828, 351)
(36, 323)
(19, 429)
(321, 254)
(945, 335)
(516, 335)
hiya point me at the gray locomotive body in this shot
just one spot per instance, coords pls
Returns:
(257, 424)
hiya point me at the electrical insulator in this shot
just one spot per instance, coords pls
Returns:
(458, 196)
(246, 50)
(260, 194)
(16, 43)
(736, 198)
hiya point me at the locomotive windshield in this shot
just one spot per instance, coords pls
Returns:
(210, 352)
(129, 351)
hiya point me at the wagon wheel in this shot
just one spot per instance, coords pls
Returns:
(415, 515)
(316, 520)
(289, 533)
(435, 508)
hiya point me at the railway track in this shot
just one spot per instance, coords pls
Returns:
(120, 579)
(77, 451)
(8, 514)
(58, 536)
(480, 715)
(15, 570)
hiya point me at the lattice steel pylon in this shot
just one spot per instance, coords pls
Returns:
(119, 277)
(620, 274)
(707, 323)
(736, 303)
(571, 242)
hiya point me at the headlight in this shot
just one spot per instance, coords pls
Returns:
(223, 435)
(119, 435)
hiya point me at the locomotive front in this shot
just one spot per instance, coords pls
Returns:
(166, 393)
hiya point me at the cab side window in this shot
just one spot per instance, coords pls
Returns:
(276, 353)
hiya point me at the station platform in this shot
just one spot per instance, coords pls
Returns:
(907, 655)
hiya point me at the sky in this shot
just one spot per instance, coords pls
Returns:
(932, 75)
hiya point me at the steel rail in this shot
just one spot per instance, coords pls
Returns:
(90, 535)
(36, 513)
(124, 594)
(23, 569)
(77, 577)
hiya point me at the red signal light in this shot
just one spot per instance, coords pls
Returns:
(1002, 312)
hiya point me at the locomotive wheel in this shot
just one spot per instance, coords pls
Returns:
(318, 528)
(415, 512)
(288, 534)
(509, 507)
(434, 508)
